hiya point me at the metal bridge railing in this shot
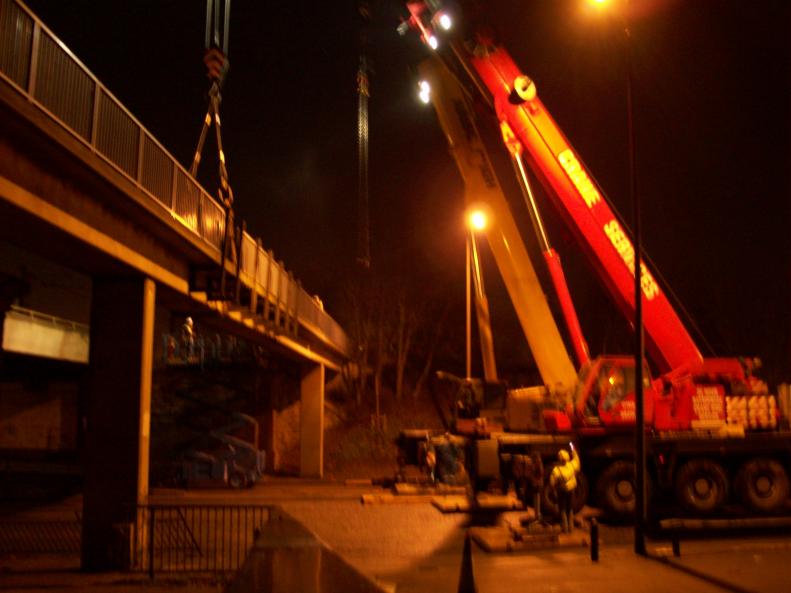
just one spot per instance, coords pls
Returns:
(194, 538)
(43, 69)
(37, 536)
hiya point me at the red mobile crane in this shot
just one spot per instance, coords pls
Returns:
(712, 423)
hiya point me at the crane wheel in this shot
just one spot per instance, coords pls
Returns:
(616, 489)
(237, 480)
(549, 503)
(701, 485)
(762, 485)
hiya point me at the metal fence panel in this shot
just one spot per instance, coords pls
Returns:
(248, 256)
(213, 217)
(308, 308)
(187, 201)
(63, 87)
(195, 538)
(310, 311)
(275, 279)
(40, 537)
(263, 268)
(16, 39)
(117, 134)
(157, 174)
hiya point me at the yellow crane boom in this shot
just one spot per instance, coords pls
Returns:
(481, 189)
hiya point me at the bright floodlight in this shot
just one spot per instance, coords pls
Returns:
(424, 91)
(477, 220)
(445, 21)
(432, 42)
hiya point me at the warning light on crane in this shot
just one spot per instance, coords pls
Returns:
(420, 20)
(444, 21)
(424, 91)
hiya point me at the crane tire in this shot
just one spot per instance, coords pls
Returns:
(237, 480)
(580, 495)
(762, 485)
(701, 485)
(615, 490)
(549, 503)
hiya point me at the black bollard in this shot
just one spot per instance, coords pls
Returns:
(594, 534)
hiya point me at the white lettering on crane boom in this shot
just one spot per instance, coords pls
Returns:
(625, 249)
(579, 177)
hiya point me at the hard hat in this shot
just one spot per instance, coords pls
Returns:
(188, 321)
(563, 455)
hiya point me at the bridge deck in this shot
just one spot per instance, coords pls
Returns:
(52, 96)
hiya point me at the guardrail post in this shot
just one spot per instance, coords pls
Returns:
(270, 260)
(254, 289)
(295, 310)
(239, 256)
(228, 235)
(281, 279)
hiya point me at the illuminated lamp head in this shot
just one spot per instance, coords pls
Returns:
(424, 91)
(444, 20)
(477, 220)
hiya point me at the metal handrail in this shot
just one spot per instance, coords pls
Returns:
(50, 319)
(40, 66)
(194, 538)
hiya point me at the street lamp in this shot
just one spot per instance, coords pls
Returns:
(424, 92)
(639, 344)
(476, 221)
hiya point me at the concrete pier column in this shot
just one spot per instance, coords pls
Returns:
(311, 421)
(118, 418)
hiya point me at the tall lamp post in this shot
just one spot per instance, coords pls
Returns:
(476, 221)
(468, 294)
(640, 510)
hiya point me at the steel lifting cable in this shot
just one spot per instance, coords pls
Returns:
(216, 62)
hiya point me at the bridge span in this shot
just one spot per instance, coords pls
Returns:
(84, 184)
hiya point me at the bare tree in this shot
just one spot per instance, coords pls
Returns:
(433, 344)
(406, 328)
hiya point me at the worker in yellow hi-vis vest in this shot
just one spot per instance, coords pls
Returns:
(563, 481)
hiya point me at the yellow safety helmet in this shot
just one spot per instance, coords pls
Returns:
(563, 455)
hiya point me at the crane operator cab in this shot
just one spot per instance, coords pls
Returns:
(605, 394)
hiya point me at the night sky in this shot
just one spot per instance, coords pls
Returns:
(711, 115)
